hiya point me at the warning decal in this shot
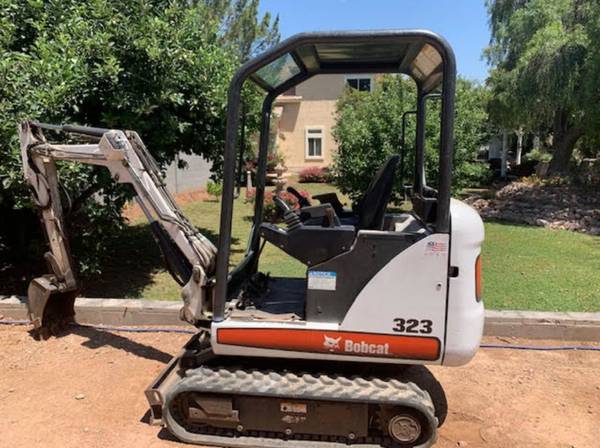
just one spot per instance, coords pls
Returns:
(323, 280)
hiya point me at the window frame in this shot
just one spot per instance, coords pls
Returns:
(307, 135)
(359, 77)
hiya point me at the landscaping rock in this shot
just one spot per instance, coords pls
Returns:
(541, 222)
(552, 206)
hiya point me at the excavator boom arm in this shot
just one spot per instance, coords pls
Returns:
(190, 256)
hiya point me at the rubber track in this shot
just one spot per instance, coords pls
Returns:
(232, 381)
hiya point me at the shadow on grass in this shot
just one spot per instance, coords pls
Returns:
(130, 263)
(127, 267)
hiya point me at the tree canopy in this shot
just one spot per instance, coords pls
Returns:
(160, 67)
(545, 64)
(368, 130)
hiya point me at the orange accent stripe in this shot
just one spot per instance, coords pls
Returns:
(478, 279)
(333, 342)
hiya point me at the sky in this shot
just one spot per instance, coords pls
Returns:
(463, 23)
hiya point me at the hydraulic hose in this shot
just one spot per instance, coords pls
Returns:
(542, 348)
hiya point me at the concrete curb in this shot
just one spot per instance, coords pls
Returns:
(543, 325)
(522, 324)
(106, 311)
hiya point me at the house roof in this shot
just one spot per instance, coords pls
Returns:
(421, 54)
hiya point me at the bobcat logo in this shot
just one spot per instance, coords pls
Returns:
(331, 344)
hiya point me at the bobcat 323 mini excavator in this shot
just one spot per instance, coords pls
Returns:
(333, 359)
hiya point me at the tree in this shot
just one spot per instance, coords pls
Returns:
(368, 128)
(246, 35)
(367, 131)
(161, 67)
(545, 63)
(471, 131)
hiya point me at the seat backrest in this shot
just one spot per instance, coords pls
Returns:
(372, 206)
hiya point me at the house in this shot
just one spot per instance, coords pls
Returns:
(302, 124)
(304, 118)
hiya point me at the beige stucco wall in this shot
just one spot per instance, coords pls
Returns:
(314, 106)
(321, 87)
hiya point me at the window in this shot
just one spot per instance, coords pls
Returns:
(361, 83)
(279, 71)
(314, 143)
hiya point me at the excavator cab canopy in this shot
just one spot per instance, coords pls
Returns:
(423, 55)
(349, 53)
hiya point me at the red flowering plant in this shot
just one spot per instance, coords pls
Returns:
(315, 174)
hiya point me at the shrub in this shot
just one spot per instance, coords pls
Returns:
(586, 173)
(367, 131)
(314, 174)
(214, 189)
(250, 195)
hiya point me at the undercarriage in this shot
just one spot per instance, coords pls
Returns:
(205, 399)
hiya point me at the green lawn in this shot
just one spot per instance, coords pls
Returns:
(540, 269)
(524, 267)
(135, 254)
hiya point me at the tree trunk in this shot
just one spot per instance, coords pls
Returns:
(536, 143)
(565, 138)
(504, 154)
(520, 134)
(563, 150)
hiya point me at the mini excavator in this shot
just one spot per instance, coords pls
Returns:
(333, 359)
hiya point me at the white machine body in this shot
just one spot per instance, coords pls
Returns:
(421, 308)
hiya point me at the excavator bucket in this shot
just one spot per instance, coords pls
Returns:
(50, 309)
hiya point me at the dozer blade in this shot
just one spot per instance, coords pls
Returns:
(50, 309)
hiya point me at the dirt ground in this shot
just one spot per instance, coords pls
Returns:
(86, 390)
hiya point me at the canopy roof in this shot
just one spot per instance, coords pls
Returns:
(417, 53)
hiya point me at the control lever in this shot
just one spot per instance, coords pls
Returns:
(302, 201)
(291, 219)
(281, 204)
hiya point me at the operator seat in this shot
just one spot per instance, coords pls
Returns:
(371, 207)
(369, 212)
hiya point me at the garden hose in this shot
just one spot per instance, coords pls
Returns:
(185, 331)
